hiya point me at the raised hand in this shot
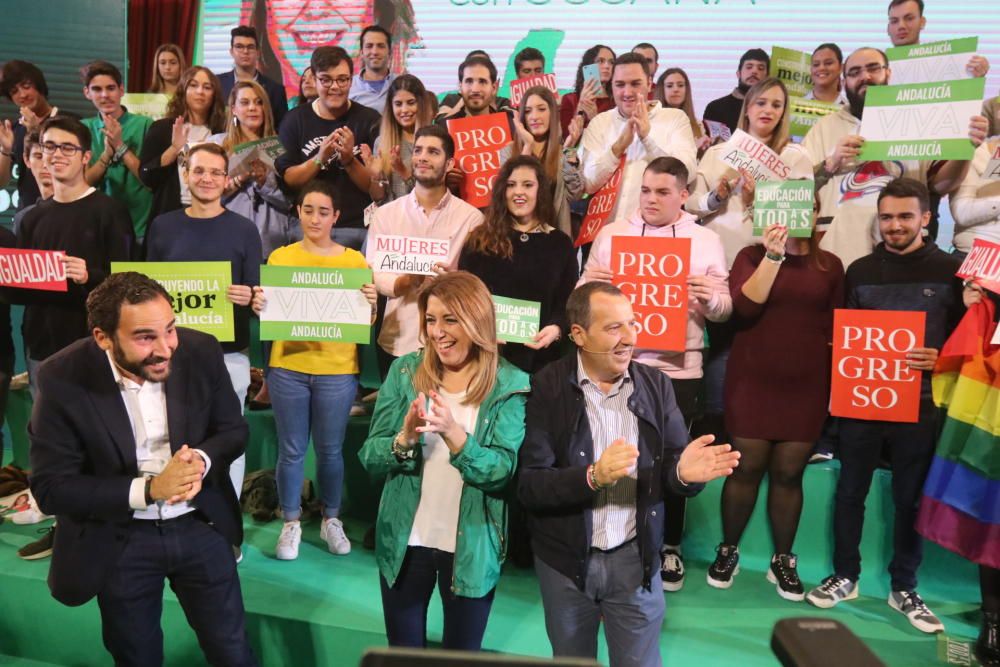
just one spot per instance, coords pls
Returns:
(701, 462)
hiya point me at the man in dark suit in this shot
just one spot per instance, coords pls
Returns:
(132, 433)
(244, 46)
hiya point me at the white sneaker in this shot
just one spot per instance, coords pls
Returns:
(288, 541)
(332, 531)
(916, 611)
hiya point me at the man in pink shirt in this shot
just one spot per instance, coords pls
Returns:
(428, 212)
(660, 214)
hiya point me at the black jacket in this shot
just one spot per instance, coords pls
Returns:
(558, 447)
(83, 455)
(163, 181)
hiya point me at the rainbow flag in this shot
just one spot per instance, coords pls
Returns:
(960, 509)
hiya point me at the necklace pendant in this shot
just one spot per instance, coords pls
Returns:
(524, 237)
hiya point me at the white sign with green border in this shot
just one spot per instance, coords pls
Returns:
(922, 121)
(517, 320)
(198, 290)
(803, 114)
(787, 203)
(317, 304)
(932, 62)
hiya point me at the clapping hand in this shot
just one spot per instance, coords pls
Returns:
(700, 462)
(438, 419)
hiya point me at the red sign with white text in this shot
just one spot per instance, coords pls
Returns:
(982, 264)
(478, 140)
(871, 379)
(599, 209)
(33, 269)
(520, 86)
(653, 273)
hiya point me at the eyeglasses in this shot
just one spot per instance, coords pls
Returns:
(244, 47)
(216, 174)
(871, 68)
(327, 82)
(69, 150)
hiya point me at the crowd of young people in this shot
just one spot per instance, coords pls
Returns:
(598, 450)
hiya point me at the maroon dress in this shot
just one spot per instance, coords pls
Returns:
(778, 375)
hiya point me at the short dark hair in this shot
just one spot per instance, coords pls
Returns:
(833, 47)
(67, 124)
(526, 54)
(578, 304)
(104, 304)
(31, 139)
(630, 59)
(481, 61)
(669, 165)
(326, 57)
(904, 188)
(97, 68)
(15, 72)
(647, 45)
(379, 29)
(755, 54)
(207, 147)
(477, 52)
(897, 3)
(243, 31)
(437, 131)
(319, 186)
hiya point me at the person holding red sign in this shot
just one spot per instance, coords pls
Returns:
(538, 134)
(905, 272)
(776, 393)
(661, 214)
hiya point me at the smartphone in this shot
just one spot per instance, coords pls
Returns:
(593, 72)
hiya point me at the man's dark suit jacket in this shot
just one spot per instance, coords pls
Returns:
(83, 454)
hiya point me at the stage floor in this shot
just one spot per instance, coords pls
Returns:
(325, 610)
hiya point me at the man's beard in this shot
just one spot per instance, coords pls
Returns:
(434, 180)
(139, 369)
(856, 101)
(743, 87)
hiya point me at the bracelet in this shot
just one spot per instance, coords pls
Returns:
(771, 257)
(592, 478)
(319, 163)
(119, 154)
(401, 453)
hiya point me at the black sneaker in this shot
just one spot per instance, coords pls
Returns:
(41, 548)
(987, 647)
(725, 567)
(783, 574)
(671, 570)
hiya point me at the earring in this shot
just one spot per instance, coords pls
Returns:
(236, 121)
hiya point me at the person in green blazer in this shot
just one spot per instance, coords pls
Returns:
(445, 433)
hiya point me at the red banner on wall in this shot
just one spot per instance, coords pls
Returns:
(653, 273)
(478, 140)
(33, 269)
(871, 379)
(601, 204)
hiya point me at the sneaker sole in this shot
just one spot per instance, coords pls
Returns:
(338, 553)
(285, 556)
(929, 629)
(38, 556)
(672, 586)
(721, 584)
(791, 597)
(824, 603)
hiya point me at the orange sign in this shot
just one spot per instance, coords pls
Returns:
(653, 273)
(599, 209)
(478, 140)
(871, 379)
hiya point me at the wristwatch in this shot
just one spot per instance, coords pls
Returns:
(399, 451)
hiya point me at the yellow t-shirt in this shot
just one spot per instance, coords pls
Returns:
(315, 357)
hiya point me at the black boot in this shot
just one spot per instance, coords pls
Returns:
(987, 648)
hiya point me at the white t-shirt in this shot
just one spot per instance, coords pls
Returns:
(435, 524)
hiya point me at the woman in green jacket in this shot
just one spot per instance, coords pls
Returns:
(447, 426)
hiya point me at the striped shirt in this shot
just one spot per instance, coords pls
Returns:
(613, 514)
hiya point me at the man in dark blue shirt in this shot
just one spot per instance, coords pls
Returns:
(244, 46)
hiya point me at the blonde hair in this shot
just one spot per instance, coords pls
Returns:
(159, 85)
(551, 157)
(782, 133)
(235, 135)
(467, 298)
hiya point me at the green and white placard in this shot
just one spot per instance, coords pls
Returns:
(517, 320)
(153, 105)
(318, 304)
(932, 62)
(788, 203)
(198, 290)
(264, 150)
(922, 121)
(793, 68)
(803, 114)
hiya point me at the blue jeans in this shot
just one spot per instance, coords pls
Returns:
(198, 562)
(613, 590)
(320, 404)
(404, 604)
